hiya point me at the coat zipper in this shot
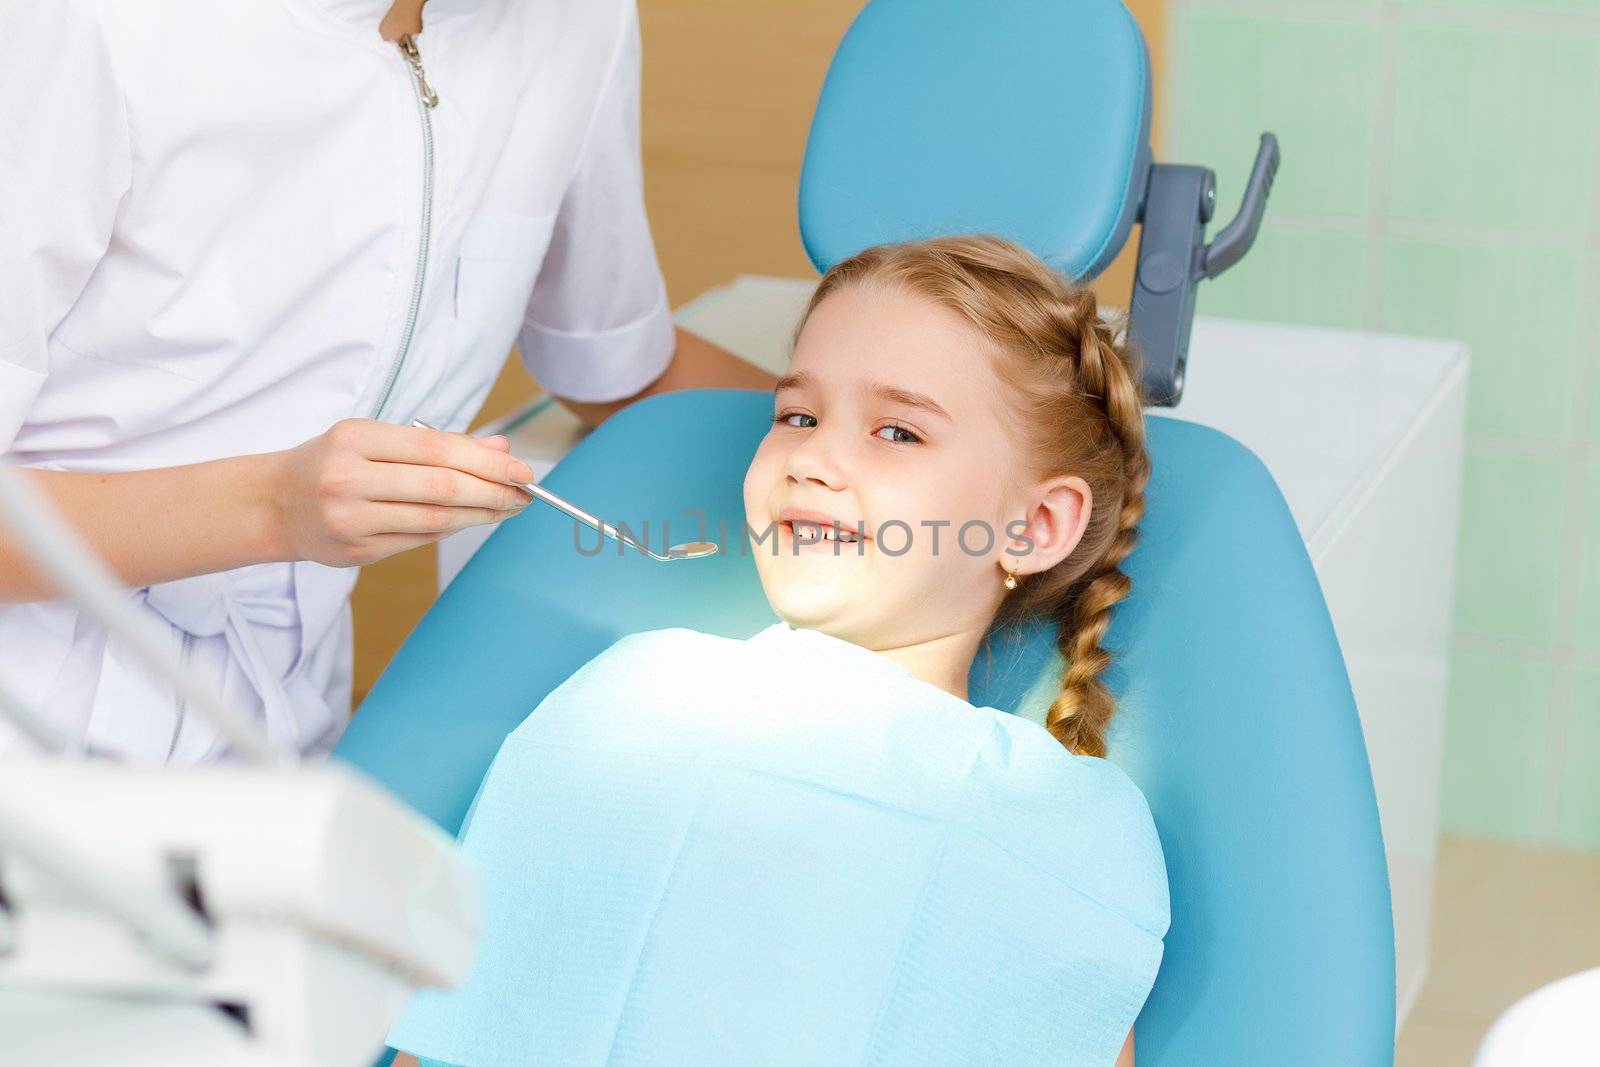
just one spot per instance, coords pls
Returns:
(427, 100)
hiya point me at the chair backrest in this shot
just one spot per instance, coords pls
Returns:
(1028, 118)
(1236, 719)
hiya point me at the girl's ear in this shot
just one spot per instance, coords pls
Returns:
(1056, 523)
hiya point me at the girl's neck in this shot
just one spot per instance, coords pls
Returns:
(943, 662)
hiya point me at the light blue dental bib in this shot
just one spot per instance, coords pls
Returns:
(791, 850)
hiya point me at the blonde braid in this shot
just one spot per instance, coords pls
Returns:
(1080, 715)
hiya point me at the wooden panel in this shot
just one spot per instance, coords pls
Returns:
(728, 93)
(729, 87)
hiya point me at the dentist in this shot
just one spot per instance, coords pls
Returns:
(242, 246)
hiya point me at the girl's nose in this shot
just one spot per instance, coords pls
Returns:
(816, 459)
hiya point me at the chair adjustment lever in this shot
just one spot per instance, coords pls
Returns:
(1173, 258)
(1236, 238)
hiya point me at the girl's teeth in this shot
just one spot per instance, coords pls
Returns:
(812, 534)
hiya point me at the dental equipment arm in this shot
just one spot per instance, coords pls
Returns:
(151, 911)
(40, 733)
(273, 894)
(61, 556)
(152, 525)
(141, 905)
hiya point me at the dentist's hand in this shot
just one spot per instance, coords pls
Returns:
(364, 490)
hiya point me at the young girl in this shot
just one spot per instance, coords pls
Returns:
(809, 847)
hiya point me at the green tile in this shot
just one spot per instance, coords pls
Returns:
(1345, 7)
(1521, 311)
(1290, 275)
(1311, 82)
(1592, 355)
(1494, 127)
(1513, 509)
(1496, 747)
(1586, 627)
(1578, 814)
(1517, 7)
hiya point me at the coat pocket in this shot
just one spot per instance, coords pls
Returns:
(495, 270)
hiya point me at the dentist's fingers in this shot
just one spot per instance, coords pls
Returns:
(381, 518)
(367, 537)
(408, 483)
(433, 448)
(330, 495)
(382, 546)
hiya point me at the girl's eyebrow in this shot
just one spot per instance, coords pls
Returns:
(794, 380)
(896, 395)
(893, 394)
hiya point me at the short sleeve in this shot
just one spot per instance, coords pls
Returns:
(598, 327)
(65, 164)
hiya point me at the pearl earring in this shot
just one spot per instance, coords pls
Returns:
(1011, 580)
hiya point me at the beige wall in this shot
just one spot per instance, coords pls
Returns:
(729, 86)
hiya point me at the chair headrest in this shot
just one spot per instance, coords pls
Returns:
(1024, 118)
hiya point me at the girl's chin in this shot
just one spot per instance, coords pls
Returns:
(810, 606)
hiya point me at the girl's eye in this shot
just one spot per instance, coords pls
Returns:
(899, 435)
(909, 438)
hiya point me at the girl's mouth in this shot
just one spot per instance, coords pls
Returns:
(805, 534)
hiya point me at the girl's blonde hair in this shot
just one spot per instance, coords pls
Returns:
(1072, 384)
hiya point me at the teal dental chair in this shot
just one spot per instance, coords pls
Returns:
(1028, 118)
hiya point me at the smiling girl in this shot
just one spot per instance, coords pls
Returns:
(809, 846)
(944, 383)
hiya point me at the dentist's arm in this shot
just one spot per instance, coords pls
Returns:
(359, 492)
(696, 364)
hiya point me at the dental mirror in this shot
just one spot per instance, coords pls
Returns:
(692, 549)
(687, 550)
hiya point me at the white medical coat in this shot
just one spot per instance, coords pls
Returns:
(217, 221)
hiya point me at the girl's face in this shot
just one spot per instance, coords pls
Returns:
(891, 420)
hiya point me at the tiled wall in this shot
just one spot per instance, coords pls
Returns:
(1441, 176)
